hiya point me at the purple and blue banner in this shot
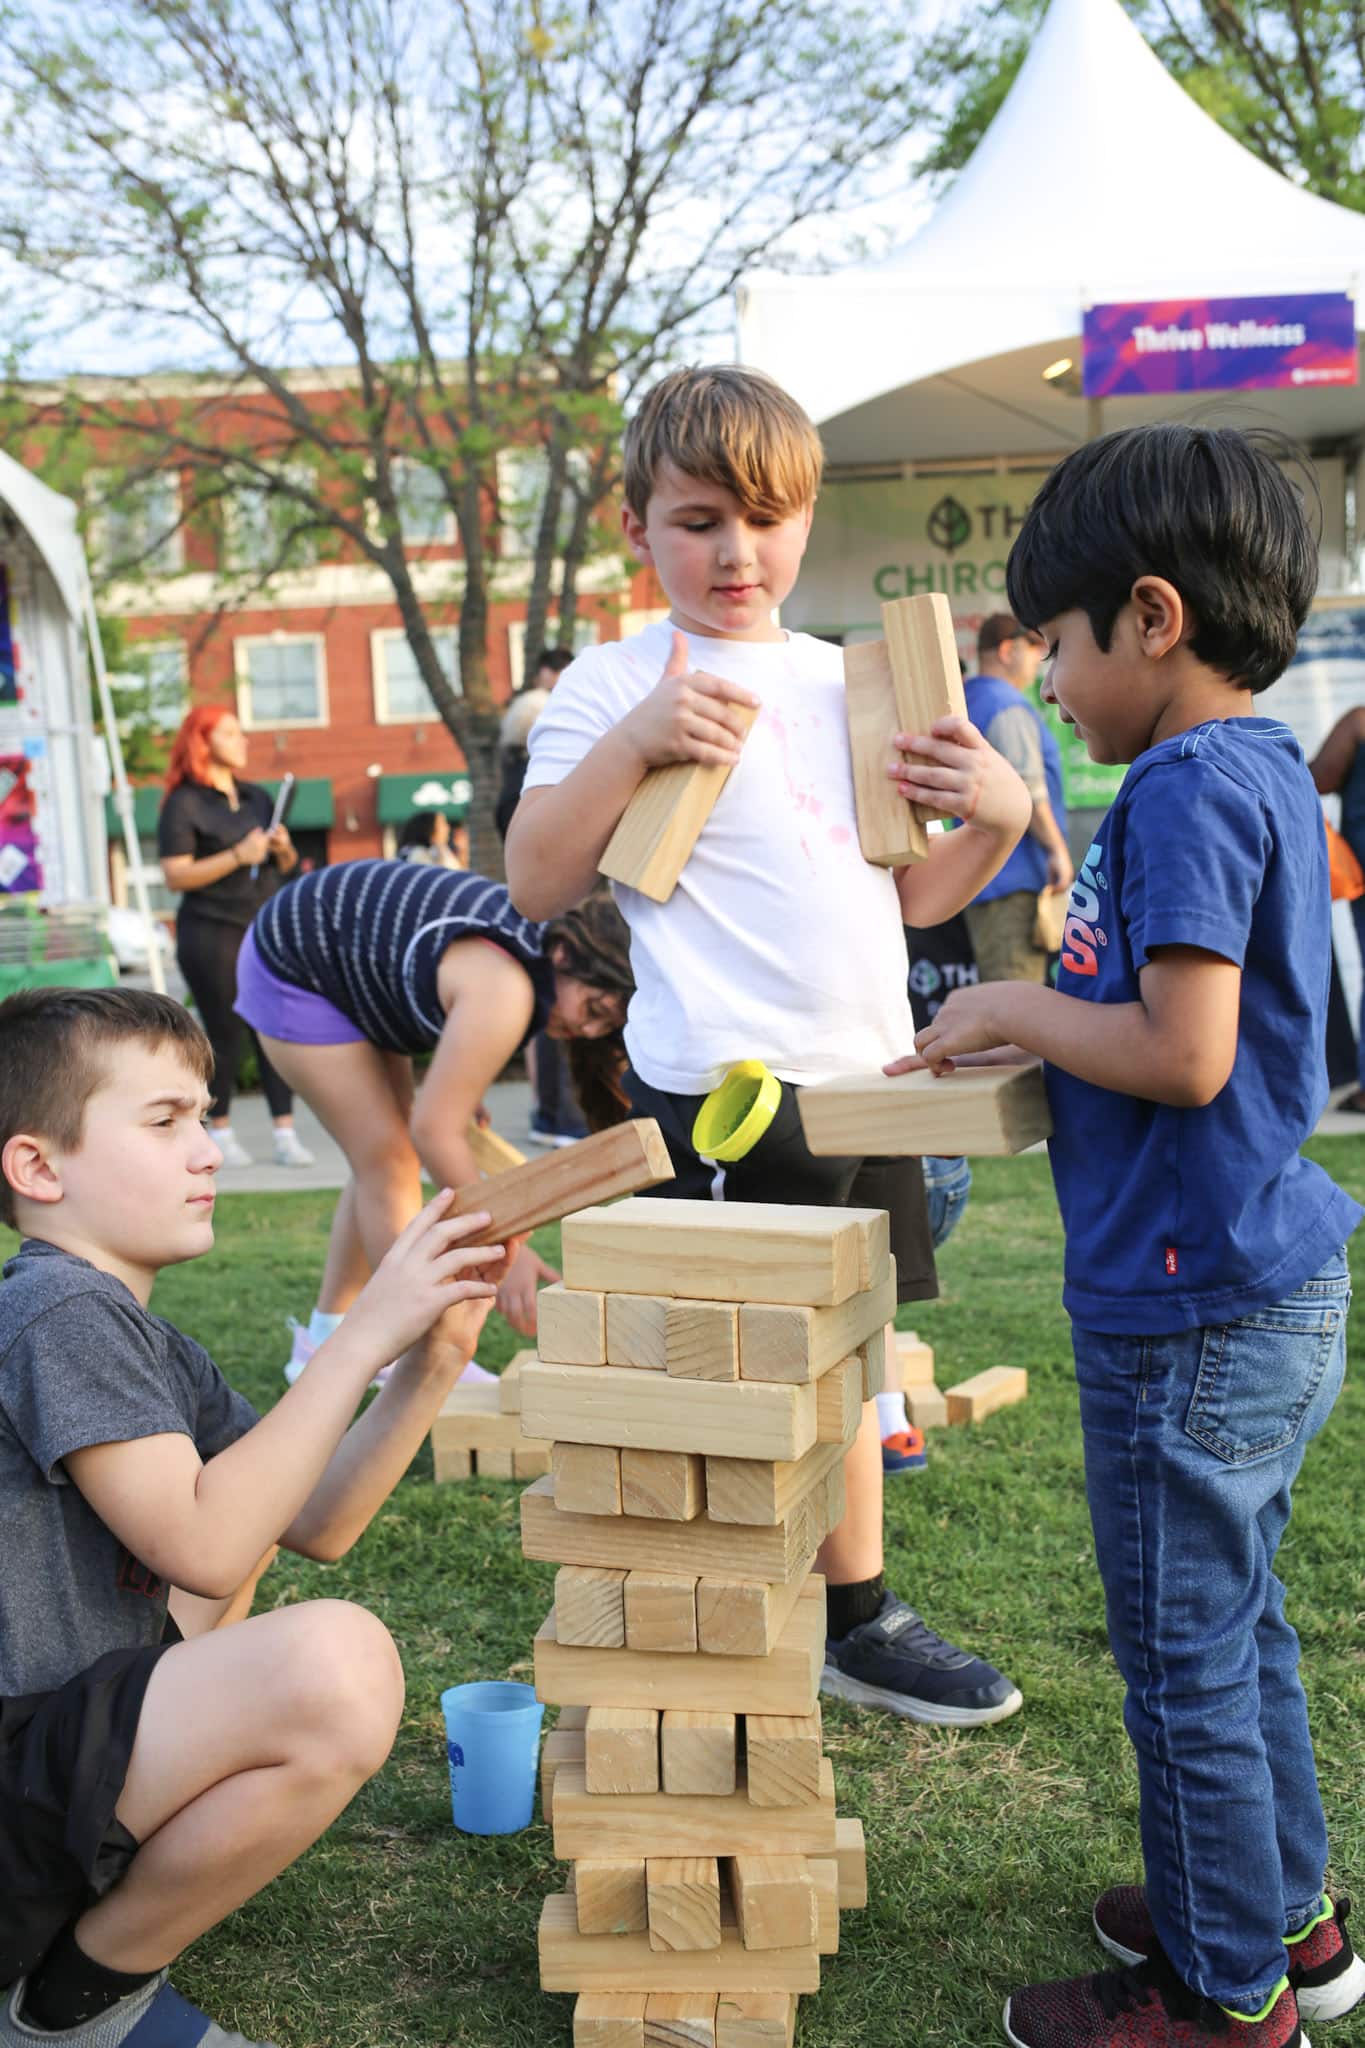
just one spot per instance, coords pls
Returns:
(1219, 345)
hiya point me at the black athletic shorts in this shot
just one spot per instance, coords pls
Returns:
(63, 1759)
(781, 1168)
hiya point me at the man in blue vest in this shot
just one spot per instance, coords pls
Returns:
(1001, 920)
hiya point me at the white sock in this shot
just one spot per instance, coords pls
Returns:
(891, 1415)
(321, 1325)
(472, 1372)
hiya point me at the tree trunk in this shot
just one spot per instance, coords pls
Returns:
(547, 548)
(478, 694)
(480, 747)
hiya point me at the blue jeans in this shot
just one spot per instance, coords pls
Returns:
(947, 1184)
(1192, 1443)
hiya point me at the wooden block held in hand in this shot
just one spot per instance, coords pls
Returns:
(571, 1326)
(839, 1402)
(701, 1340)
(755, 2019)
(610, 1895)
(784, 1759)
(620, 1161)
(982, 1111)
(890, 831)
(590, 1607)
(974, 1399)
(684, 1902)
(784, 1341)
(926, 1408)
(774, 1901)
(587, 1479)
(661, 1613)
(665, 1486)
(697, 1753)
(492, 1154)
(663, 821)
(850, 1851)
(680, 2019)
(736, 1618)
(621, 1750)
(926, 675)
(725, 1251)
(609, 2019)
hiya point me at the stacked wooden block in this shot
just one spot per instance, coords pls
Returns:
(478, 1432)
(701, 1375)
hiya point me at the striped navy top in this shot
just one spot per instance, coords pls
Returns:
(369, 935)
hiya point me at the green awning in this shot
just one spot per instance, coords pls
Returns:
(401, 795)
(312, 810)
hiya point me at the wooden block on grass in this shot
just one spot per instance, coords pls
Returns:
(616, 1162)
(665, 1486)
(492, 1154)
(532, 1463)
(494, 1464)
(561, 1746)
(587, 1479)
(621, 1750)
(774, 1900)
(736, 1618)
(786, 1682)
(914, 1361)
(701, 1340)
(755, 2019)
(890, 831)
(570, 1961)
(661, 1613)
(637, 1331)
(680, 2019)
(824, 1876)
(788, 1342)
(778, 1551)
(610, 1895)
(785, 1763)
(590, 1606)
(982, 1111)
(974, 1399)
(839, 1402)
(661, 824)
(850, 1853)
(609, 2019)
(926, 1408)
(697, 1753)
(926, 675)
(509, 1383)
(726, 1251)
(571, 1326)
(450, 1462)
(764, 1490)
(695, 1824)
(684, 1902)
(622, 1405)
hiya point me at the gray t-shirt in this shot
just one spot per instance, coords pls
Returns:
(82, 1362)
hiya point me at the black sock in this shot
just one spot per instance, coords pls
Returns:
(68, 1988)
(846, 1606)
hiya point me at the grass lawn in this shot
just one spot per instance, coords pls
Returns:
(984, 1849)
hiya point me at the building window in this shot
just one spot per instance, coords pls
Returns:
(168, 682)
(281, 681)
(424, 515)
(400, 695)
(259, 523)
(522, 477)
(135, 527)
(584, 635)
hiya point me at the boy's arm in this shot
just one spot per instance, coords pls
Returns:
(559, 833)
(203, 1526)
(1331, 764)
(954, 769)
(1176, 1046)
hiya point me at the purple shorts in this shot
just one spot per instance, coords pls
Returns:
(282, 1011)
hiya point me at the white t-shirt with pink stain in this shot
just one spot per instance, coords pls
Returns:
(780, 942)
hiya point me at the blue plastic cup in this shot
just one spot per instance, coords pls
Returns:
(492, 1740)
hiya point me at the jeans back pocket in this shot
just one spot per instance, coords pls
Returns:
(1258, 1377)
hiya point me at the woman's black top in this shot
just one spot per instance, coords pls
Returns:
(197, 819)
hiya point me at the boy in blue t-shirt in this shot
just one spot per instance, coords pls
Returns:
(1170, 568)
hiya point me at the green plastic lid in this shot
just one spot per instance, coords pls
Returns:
(735, 1115)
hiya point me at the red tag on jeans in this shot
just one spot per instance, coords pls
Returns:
(1172, 1262)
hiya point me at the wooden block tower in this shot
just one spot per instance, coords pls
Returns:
(701, 1376)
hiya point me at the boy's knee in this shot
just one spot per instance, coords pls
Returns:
(348, 1670)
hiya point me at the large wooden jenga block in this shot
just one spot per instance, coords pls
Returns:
(590, 1607)
(630, 1824)
(784, 1766)
(1000, 1387)
(571, 1326)
(767, 1552)
(663, 1486)
(774, 1900)
(621, 1750)
(684, 1902)
(610, 1895)
(926, 675)
(620, 1404)
(733, 1251)
(570, 1961)
(587, 1479)
(697, 1753)
(890, 831)
(680, 2019)
(475, 1431)
(780, 1341)
(663, 821)
(609, 2019)
(753, 2019)
(620, 1161)
(982, 1111)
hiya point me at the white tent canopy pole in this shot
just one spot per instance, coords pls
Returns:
(123, 793)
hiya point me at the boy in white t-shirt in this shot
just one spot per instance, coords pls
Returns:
(780, 943)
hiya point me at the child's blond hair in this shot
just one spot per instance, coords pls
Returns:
(729, 426)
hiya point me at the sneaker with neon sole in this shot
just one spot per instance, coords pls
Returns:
(1327, 1975)
(153, 2016)
(1144, 2006)
(904, 1451)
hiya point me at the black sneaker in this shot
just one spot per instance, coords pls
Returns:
(896, 1661)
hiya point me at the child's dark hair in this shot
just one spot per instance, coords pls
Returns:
(1207, 508)
(51, 1043)
(593, 942)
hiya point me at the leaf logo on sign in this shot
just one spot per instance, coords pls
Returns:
(949, 525)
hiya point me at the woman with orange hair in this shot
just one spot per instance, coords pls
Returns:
(218, 850)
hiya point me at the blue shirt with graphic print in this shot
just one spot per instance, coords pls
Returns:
(1177, 1218)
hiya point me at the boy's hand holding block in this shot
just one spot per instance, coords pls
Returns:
(982, 1111)
(616, 1162)
(663, 821)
